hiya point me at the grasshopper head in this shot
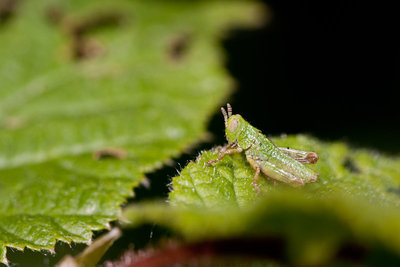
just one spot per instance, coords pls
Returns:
(234, 126)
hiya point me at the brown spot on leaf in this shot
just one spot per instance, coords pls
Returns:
(178, 47)
(7, 10)
(106, 153)
(84, 47)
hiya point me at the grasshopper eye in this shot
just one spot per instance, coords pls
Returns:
(233, 124)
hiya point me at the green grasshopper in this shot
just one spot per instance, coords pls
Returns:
(281, 164)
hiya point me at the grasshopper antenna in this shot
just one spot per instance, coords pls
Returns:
(225, 116)
(228, 106)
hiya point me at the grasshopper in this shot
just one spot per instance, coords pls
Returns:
(281, 164)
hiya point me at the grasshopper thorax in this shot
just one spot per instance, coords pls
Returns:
(233, 128)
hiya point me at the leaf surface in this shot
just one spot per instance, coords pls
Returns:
(93, 94)
(354, 202)
(360, 173)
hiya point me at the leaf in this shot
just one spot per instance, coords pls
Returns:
(353, 203)
(131, 82)
(357, 173)
(312, 231)
(93, 253)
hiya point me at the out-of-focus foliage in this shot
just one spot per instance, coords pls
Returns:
(93, 253)
(354, 202)
(131, 81)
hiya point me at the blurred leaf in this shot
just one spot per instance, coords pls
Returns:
(93, 253)
(313, 230)
(133, 82)
(354, 202)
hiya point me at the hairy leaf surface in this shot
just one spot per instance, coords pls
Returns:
(353, 205)
(360, 173)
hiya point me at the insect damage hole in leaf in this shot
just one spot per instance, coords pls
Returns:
(84, 47)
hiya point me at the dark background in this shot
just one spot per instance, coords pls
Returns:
(329, 69)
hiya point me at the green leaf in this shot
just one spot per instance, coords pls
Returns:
(93, 253)
(356, 173)
(228, 184)
(354, 202)
(313, 230)
(137, 78)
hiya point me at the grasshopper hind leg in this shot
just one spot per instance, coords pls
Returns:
(255, 180)
(304, 157)
(257, 168)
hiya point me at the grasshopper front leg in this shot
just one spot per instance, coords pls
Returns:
(226, 150)
(232, 149)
